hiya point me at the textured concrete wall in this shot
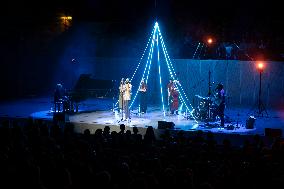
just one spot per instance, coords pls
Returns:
(240, 78)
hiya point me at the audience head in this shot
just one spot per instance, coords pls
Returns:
(106, 129)
(122, 127)
(135, 130)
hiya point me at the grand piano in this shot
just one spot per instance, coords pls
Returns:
(88, 87)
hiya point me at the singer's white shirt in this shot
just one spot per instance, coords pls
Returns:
(127, 91)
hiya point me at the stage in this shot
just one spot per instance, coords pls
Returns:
(98, 113)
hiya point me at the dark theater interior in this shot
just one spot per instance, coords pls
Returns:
(141, 94)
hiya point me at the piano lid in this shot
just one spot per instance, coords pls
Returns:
(86, 82)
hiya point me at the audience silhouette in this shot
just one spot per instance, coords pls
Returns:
(44, 155)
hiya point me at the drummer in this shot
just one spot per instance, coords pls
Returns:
(220, 102)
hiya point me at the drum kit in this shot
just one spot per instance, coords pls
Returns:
(206, 109)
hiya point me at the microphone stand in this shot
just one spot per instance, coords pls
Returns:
(194, 89)
(209, 83)
(209, 94)
(122, 104)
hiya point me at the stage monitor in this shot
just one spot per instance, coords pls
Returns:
(250, 122)
(165, 125)
(274, 133)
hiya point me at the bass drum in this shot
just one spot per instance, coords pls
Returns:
(205, 114)
(204, 103)
(200, 114)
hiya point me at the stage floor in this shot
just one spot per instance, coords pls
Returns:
(100, 119)
(97, 113)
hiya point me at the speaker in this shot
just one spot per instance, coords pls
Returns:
(59, 117)
(273, 132)
(161, 124)
(250, 122)
(230, 127)
(165, 125)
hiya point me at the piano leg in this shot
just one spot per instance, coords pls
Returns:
(72, 106)
(57, 106)
(77, 107)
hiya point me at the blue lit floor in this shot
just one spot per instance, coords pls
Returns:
(97, 113)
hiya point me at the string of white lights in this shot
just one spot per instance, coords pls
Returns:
(155, 38)
(171, 65)
(149, 67)
(142, 55)
(173, 75)
(149, 55)
(170, 68)
(201, 48)
(160, 76)
(196, 50)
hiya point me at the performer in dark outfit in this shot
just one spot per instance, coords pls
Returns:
(143, 96)
(58, 97)
(61, 98)
(174, 101)
(220, 103)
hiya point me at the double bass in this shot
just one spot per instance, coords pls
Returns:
(174, 100)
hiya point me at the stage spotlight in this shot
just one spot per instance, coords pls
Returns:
(260, 66)
(209, 41)
(260, 105)
(66, 18)
(66, 22)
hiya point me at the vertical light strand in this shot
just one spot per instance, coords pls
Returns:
(160, 77)
(173, 74)
(179, 88)
(201, 48)
(151, 36)
(171, 69)
(148, 61)
(136, 93)
(196, 50)
(171, 65)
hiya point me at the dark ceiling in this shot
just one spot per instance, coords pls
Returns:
(230, 18)
(218, 12)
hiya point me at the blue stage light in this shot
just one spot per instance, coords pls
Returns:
(148, 62)
(173, 74)
(202, 45)
(152, 34)
(180, 89)
(160, 77)
(147, 65)
(156, 36)
(180, 108)
(196, 50)
(143, 54)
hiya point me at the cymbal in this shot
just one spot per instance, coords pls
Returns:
(201, 97)
(204, 98)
